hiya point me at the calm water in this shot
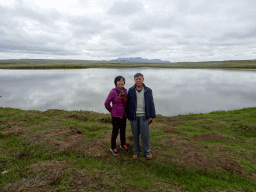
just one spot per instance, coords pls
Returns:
(175, 91)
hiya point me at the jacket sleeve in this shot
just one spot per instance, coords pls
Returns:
(152, 106)
(108, 100)
(128, 105)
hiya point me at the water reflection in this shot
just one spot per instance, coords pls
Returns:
(175, 91)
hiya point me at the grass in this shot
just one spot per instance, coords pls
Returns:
(58, 150)
(83, 64)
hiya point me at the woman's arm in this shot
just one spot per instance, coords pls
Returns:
(109, 100)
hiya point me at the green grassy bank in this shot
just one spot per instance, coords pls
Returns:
(58, 150)
(83, 64)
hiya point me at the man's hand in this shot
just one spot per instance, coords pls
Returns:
(151, 120)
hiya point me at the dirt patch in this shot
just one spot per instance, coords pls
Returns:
(86, 117)
(19, 129)
(166, 129)
(180, 144)
(222, 148)
(67, 139)
(164, 186)
(45, 175)
(14, 127)
(213, 136)
(14, 122)
(174, 121)
(193, 155)
(55, 133)
(82, 117)
(72, 139)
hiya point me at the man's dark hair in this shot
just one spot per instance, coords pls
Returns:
(118, 78)
(137, 75)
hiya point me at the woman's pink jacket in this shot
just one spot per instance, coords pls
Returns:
(118, 106)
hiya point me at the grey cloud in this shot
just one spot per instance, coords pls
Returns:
(122, 36)
(24, 30)
(126, 38)
(166, 35)
(22, 12)
(151, 22)
(213, 7)
(25, 47)
(181, 41)
(125, 8)
(122, 51)
(81, 26)
(35, 45)
(167, 29)
(237, 34)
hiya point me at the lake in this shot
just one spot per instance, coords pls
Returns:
(175, 91)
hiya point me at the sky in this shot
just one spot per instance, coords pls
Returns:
(173, 30)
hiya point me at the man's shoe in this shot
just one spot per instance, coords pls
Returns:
(125, 148)
(148, 157)
(135, 157)
(114, 151)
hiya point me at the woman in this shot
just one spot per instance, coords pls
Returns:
(118, 97)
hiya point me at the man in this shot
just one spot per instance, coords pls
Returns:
(140, 108)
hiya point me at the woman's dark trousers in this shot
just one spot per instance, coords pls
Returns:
(118, 123)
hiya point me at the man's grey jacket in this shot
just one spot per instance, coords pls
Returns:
(132, 103)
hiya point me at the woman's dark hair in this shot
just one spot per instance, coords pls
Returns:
(118, 78)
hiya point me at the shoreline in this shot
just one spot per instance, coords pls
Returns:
(85, 64)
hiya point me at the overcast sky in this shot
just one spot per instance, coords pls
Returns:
(174, 30)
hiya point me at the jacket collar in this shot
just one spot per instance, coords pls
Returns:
(145, 87)
(116, 88)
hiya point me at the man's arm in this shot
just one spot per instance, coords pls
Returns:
(152, 106)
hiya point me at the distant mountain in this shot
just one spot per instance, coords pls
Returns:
(139, 59)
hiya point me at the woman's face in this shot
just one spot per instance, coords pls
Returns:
(120, 83)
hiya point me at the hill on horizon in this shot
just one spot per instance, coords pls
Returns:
(139, 59)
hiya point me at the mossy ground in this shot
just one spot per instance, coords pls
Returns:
(59, 150)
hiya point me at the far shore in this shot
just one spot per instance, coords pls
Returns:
(84, 64)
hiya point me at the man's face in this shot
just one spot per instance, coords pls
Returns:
(139, 80)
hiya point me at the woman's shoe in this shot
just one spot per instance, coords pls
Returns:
(114, 151)
(125, 148)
